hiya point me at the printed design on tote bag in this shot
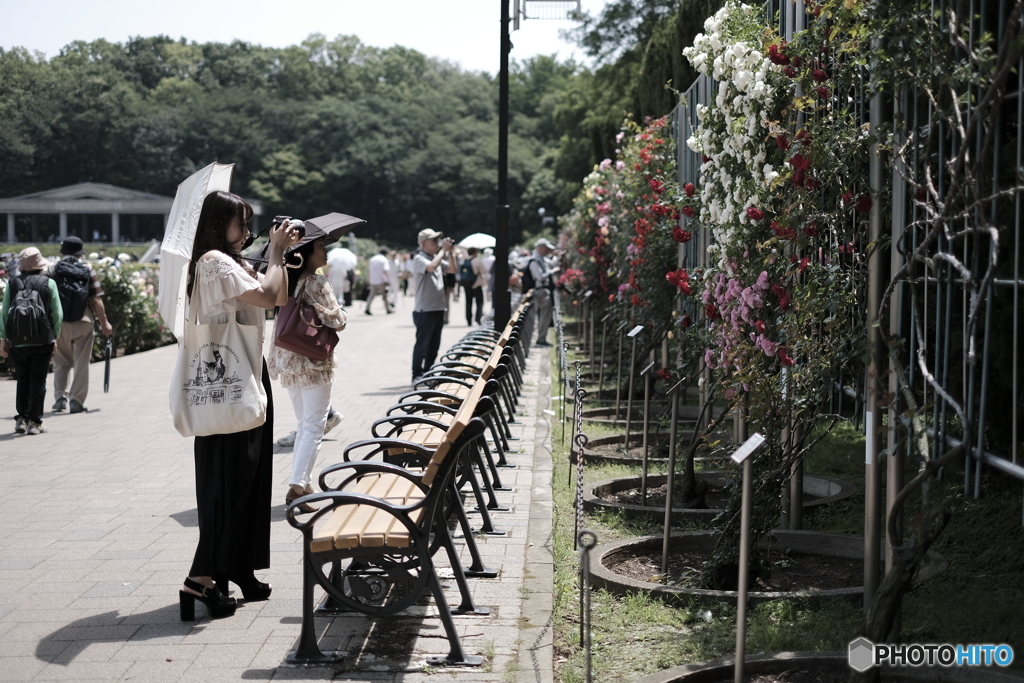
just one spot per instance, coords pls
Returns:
(214, 376)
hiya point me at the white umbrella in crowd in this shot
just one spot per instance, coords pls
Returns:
(478, 240)
(176, 249)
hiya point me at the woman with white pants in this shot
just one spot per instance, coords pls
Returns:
(309, 382)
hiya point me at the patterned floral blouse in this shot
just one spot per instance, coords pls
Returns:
(295, 370)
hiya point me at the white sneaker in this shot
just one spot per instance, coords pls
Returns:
(287, 440)
(19, 426)
(333, 420)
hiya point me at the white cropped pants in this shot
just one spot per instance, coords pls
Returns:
(311, 406)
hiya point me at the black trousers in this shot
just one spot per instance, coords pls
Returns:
(477, 295)
(429, 325)
(234, 476)
(30, 364)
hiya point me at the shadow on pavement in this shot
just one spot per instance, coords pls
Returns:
(144, 628)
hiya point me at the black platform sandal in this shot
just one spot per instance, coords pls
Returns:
(253, 590)
(217, 604)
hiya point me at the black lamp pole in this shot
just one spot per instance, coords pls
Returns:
(502, 298)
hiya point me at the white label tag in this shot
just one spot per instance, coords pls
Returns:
(748, 447)
(649, 366)
(635, 331)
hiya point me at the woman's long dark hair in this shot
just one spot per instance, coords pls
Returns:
(219, 208)
(295, 263)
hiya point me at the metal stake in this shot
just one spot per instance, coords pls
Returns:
(646, 373)
(618, 371)
(671, 473)
(585, 541)
(629, 395)
(742, 455)
(580, 440)
(600, 365)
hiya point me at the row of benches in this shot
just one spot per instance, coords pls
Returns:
(390, 506)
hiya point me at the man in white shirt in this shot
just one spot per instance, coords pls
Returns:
(337, 273)
(543, 284)
(380, 269)
(488, 263)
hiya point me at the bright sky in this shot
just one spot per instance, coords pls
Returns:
(462, 31)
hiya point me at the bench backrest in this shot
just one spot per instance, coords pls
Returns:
(458, 425)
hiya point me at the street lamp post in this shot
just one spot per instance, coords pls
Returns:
(502, 297)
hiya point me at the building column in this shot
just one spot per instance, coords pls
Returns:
(63, 226)
(115, 227)
(10, 228)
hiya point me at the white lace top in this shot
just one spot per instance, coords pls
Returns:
(219, 280)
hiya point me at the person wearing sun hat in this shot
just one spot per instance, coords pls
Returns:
(31, 297)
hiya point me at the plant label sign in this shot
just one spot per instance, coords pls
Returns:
(587, 294)
(748, 447)
(649, 366)
(635, 331)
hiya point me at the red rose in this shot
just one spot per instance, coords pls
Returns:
(688, 211)
(819, 75)
(803, 136)
(791, 71)
(685, 322)
(798, 61)
(863, 204)
(847, 198)
(637, 301)
(680, 235)
(705, 158)
(759, 326)
(800, 162)
(823, 92)
(688, 188)
(784, 357)
(710, 311)
(811, 230)
(782, 142)
(754, 213)
(783, 295)
(776, 55)
(803, 264)
(812, 184)
(611, 298)
(665, 374)
(798, 178)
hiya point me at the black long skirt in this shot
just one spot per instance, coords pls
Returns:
(234, 476)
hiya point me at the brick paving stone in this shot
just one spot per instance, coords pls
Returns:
(98, 527)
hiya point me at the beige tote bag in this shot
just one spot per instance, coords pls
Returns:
(217, 384)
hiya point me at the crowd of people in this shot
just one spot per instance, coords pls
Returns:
(51, 311)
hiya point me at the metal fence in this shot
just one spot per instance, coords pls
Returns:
(988, 376)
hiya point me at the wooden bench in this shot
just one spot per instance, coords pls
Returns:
(381, 519)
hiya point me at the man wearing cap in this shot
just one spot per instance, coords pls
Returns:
(428, 266)
(541, 274)
(82, 302)
(30, 357)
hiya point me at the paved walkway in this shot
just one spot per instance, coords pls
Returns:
(98, 528)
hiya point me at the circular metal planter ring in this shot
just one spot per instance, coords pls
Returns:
(826, 489)
(719, 670)
(809, 542)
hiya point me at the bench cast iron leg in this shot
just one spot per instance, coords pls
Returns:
(308, 652)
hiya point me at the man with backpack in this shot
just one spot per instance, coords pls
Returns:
(81, 302)
(30, 322)
(471, 277)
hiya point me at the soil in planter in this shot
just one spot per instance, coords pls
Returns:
(792, 572)
(715, 498)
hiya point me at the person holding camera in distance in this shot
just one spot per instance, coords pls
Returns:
(434, 259)
(308, 381)
(234, 471)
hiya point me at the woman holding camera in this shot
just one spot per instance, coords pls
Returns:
(309, 382)
(233, 471)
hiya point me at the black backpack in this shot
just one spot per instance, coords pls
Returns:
(526, 281)
(466, 274)
(28, 319)
(72, 278)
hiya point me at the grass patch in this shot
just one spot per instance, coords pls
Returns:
(976, 600)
